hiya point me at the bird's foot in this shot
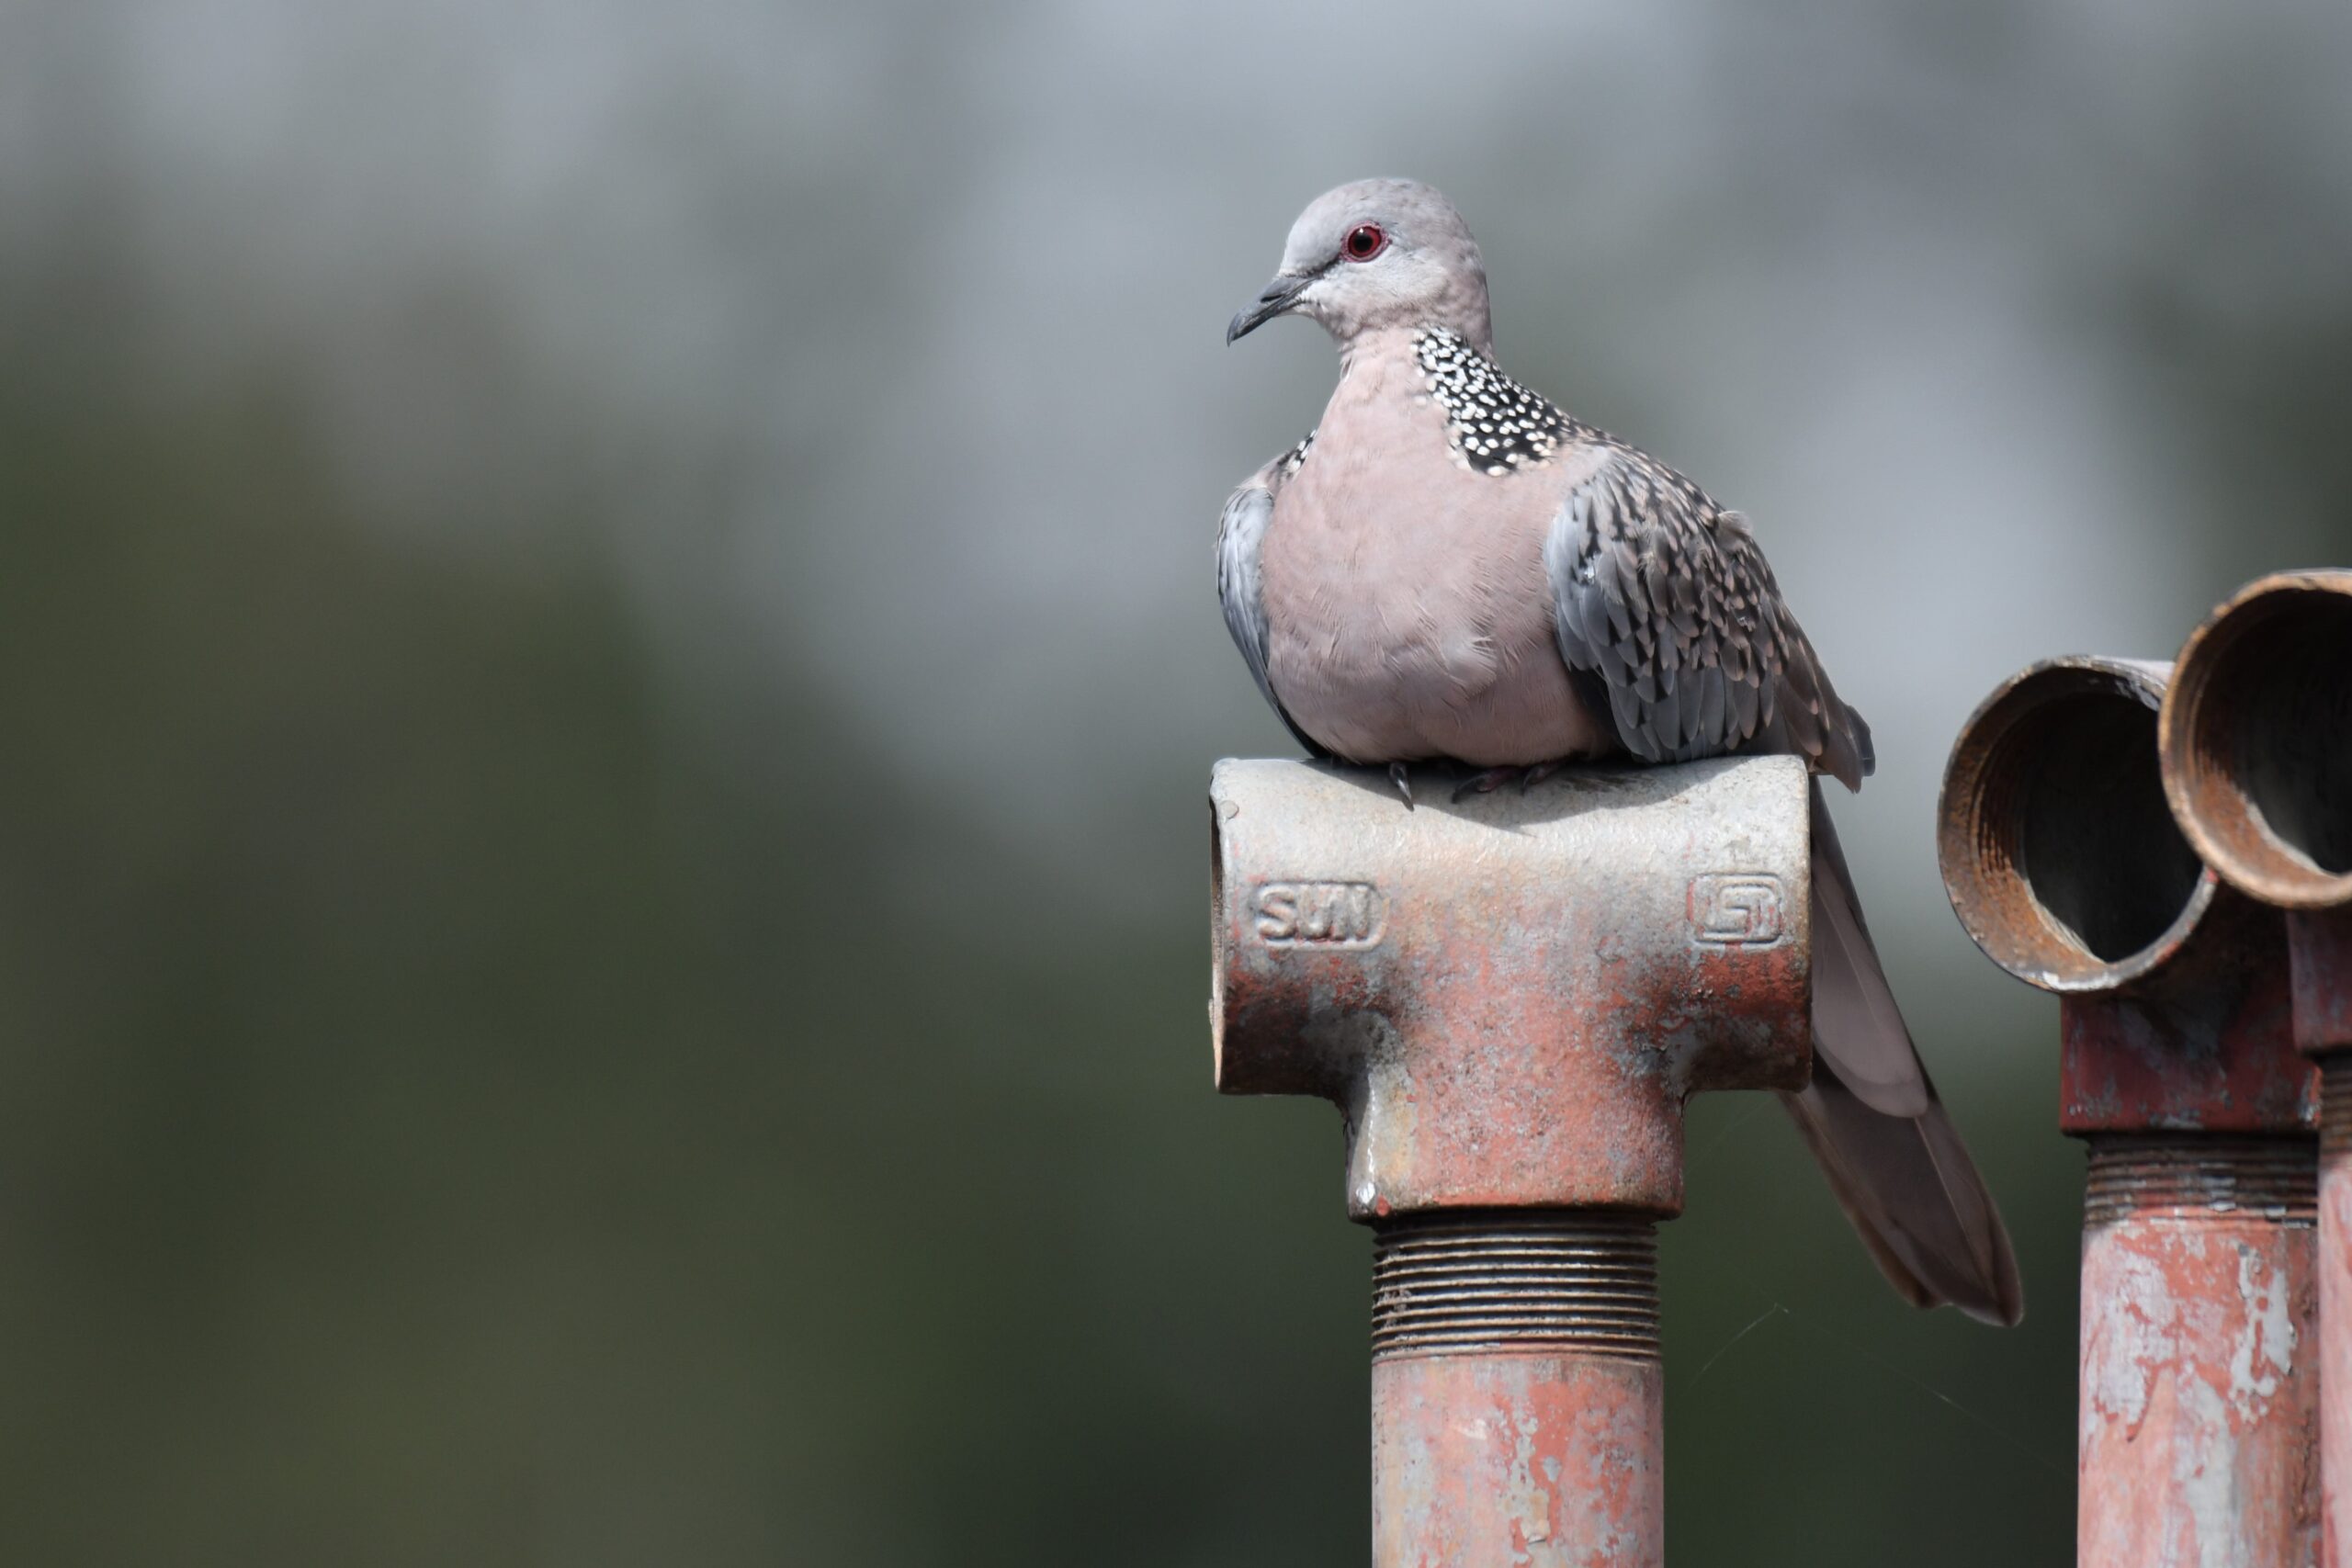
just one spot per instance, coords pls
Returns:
(1487, 782)
(1539, 773)
(1493, 779)
(1403, 781)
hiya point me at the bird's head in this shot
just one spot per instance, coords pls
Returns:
(1375, 254)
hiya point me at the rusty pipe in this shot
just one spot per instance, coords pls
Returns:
(1510, 1000)
(2198, 1393)
(2255, 738)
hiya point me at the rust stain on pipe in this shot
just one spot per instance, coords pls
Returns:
(2256, 740)
(1509, 999)
(2319, 953)
(2201, 1044)
(1517, 1397)
(2320, 945)
(1534, 1459)
(2336, 1307)
(2200, 1384)
(2198, 1397)
(2256, 744)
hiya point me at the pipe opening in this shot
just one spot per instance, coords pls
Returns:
(1458, 1281)
(2058, 849)
(2091, 835)
(2260, 743)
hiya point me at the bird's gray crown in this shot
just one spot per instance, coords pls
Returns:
(1423, 270)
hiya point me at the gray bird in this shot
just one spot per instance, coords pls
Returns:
(1450, 568)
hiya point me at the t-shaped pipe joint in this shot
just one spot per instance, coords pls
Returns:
(1509, 999)
(2065, 865)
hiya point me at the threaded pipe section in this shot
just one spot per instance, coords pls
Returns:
(2191, 1176)
(1461, 1281)
(2335, 1105)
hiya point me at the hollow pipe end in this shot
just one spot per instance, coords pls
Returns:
(2057, 849)
(2256, 738)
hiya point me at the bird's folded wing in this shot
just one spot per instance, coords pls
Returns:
(1665, 597)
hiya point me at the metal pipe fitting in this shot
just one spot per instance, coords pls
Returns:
(2199, 1395)
(1510, 1000)
(2255, 738)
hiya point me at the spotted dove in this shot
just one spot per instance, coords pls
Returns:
(1451, 568)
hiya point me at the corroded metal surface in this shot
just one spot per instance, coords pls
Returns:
(2202, 1044)
(1516, 1414)
(2257, 738)
(2319, 950)
(2199, 1378)
(2065, 865)
(1510, 1000)
(1540, 1460)
(2336, 1307)
(2200, 1373)
(2319, 953)
(1457, 1280)
(2057, 848)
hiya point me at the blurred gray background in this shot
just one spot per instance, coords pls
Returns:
(609, 662)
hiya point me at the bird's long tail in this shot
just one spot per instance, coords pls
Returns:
(1872, 1119)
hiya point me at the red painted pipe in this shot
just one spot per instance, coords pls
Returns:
(2199, 1385)
(1510, 1000)
(2257, 742)
(1518, 1403)
(2197, 1398)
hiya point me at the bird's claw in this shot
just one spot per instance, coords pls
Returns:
(1493, 779)
(1487, 782)
(1403, 781)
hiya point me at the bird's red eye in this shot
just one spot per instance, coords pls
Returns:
(1364, 243)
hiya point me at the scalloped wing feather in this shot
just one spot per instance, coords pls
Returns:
(1666, 597)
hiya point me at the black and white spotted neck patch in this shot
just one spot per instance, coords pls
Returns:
(1493, 425)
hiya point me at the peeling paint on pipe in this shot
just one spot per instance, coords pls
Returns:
(2198, 1401)
(2256, 737)
(1516, 1396)
(2198, 1391)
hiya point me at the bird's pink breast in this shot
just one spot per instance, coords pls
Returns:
(1405, 600)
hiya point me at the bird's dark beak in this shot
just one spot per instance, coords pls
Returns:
(1279, 297)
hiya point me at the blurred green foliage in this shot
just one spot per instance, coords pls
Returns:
(453, 1110)
(487, 1079)
(451, 1115)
